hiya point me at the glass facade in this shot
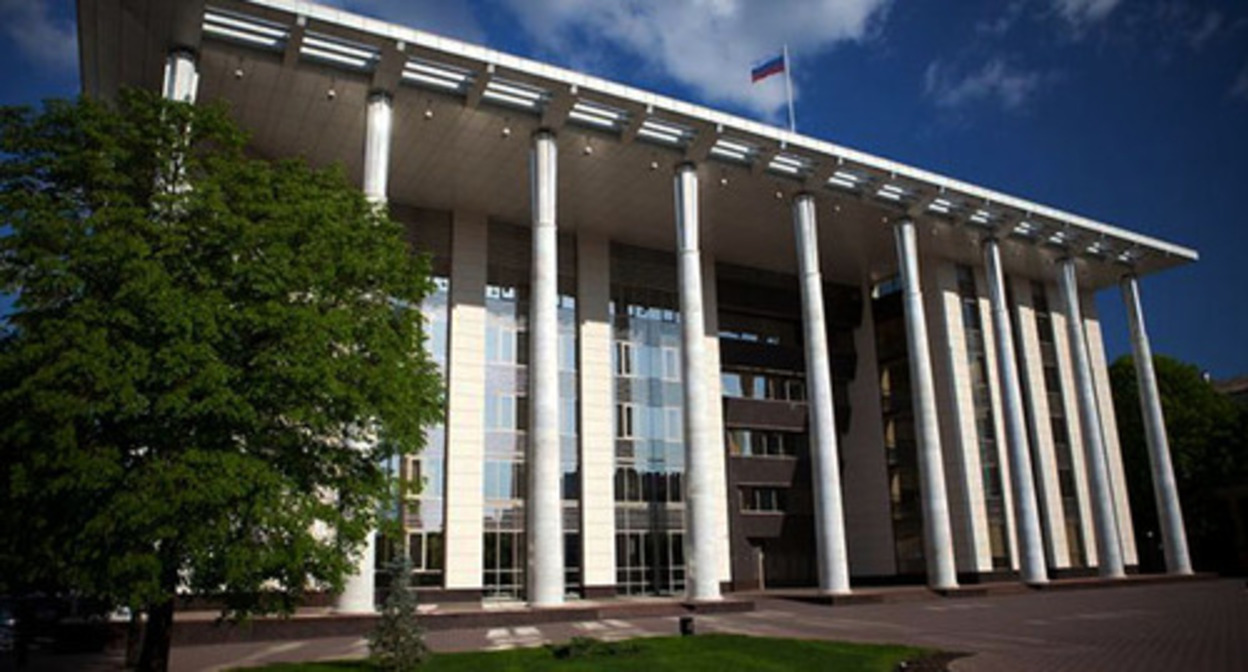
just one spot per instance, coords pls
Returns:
(649, 423)
(507, 410)
(423, 514)
(900, 445)
(763, 499)
(649, 420)
(747, 384)
(985, 424)
(744, 442)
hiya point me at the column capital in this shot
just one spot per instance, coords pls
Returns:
(380, 95)
(544, 132)
(389, 70)
(183, 50)
(684, 166)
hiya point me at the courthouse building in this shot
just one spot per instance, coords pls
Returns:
(688, 353)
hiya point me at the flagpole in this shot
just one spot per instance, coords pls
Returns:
(788, 88)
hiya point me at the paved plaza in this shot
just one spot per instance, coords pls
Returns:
(1189, 626)
(1200, 625)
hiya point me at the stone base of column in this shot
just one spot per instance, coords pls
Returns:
(600, 592)
(359, 591)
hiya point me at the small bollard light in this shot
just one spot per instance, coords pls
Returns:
(686, 626)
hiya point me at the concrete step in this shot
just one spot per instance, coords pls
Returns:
(201, 628)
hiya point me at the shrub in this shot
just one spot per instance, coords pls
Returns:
(397, 644)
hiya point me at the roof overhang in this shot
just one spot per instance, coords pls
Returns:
(296, 75)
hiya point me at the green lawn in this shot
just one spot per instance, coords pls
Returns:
(718, 653)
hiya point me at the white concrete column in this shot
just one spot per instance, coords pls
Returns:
(1165, 490)
(832, 558)
(937, 535)
(544, 508)
(378, 129)
(1022, 481)
(181, 76)
(358, 593)
(714, 392)
(358, 589)
(1109, 549)
(701, 556)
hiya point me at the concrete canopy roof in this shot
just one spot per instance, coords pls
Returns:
(297, 76)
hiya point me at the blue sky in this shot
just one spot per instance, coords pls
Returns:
(1134, 112)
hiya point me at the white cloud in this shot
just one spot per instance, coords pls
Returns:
(1239, 89)
(1001, 23)
(708, 45)
(1081, 13)
(50, 42)
(995, 81)
(1200, 33)
(453, 19)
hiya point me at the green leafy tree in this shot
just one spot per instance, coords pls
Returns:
(1209, 449)
(209, 364)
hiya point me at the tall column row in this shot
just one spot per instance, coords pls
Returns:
(1107, 514)
(359, 592)
(703, 445)
(181, 84)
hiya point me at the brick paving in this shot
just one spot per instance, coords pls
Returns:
(1199, 626)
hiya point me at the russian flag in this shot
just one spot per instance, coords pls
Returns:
(767, 68)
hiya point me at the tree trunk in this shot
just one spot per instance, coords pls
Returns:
(134, 636)
(157, 637)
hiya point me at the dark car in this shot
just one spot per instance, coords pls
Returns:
(8, 635)
(44, 622)
(8, 626)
